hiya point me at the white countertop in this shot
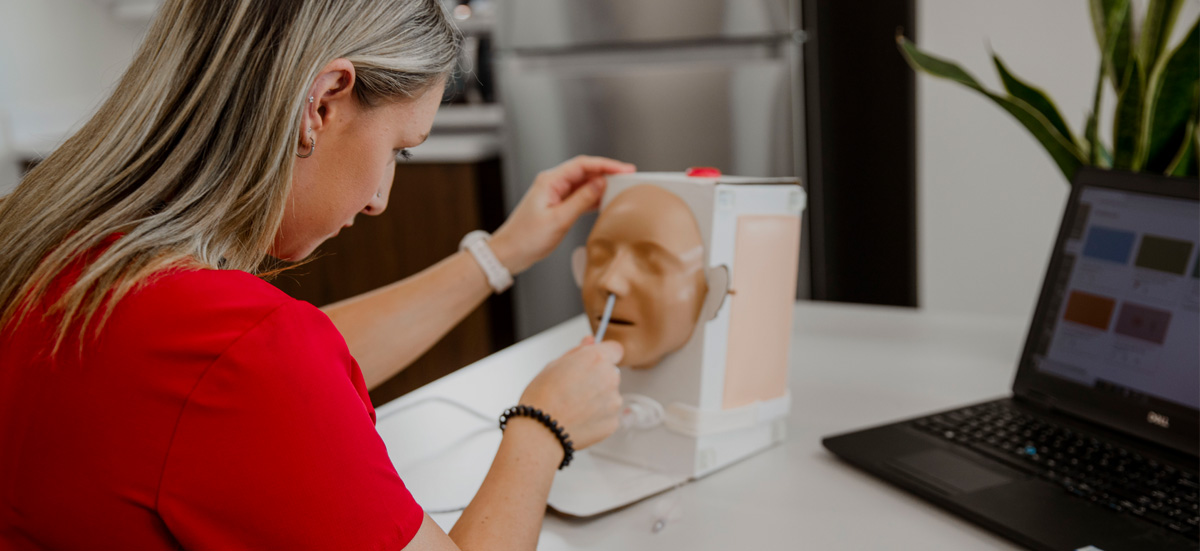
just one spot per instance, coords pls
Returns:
(852, 366)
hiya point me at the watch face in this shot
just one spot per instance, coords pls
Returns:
(473, 237)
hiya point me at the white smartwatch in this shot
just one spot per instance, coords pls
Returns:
(497, 275)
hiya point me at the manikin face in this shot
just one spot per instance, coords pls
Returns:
(646, 249)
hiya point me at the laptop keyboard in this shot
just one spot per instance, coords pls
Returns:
(1098, 471)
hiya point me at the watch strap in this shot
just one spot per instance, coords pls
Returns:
(498, 276)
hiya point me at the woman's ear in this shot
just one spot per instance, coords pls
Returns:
(331, 93)
(579, 264)
(718, 286)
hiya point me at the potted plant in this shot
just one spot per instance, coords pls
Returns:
(1157, 89)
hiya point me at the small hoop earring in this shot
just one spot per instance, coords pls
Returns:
(312, 146)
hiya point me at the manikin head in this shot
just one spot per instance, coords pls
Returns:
(646, 249)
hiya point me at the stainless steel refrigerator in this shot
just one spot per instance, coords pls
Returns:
(665, 84)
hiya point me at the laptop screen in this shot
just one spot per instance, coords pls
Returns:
(1128, 290)
(1120, 312)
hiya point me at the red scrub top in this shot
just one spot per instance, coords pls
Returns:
(214, 412)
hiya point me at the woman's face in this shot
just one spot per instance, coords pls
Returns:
(352, 168)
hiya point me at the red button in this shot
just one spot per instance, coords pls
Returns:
(703, 172)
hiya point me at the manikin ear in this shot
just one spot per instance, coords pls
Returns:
(579, 264)
(718, 286)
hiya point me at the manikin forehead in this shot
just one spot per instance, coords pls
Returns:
(649, 215)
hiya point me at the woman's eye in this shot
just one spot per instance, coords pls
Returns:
(403, 154)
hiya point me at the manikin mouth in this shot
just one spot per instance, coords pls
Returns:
(619, 321)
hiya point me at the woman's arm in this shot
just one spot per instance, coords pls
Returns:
(390, 327)
(507, 512)
(580, 391)
(512, 500)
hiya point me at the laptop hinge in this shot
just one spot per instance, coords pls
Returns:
(1037, 399)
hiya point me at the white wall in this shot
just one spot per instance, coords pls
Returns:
(58, 60)
(989, 196)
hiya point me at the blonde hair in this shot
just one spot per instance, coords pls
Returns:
(192, 155)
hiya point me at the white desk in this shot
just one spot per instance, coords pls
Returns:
(852, 366)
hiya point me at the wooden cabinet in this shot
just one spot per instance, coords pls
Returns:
(431, 207)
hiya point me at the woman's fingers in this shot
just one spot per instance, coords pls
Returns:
(581, 390)
(558, 197)
(583, 199)
(612, 351)
(572, 174)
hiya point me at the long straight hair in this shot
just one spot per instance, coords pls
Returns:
(191, 157)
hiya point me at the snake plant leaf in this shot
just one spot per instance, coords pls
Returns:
(1098, 155)
(1170, 99)
(1156, 30)
(1089, 135)
(1034, 97)
(1185, 162)
(1066, 155)
(1091, 130)
(1106, 157)
(1127, 124)
(1113, 24)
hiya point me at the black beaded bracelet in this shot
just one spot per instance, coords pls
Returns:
(540, 416)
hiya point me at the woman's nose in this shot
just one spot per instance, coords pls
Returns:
(377, 204)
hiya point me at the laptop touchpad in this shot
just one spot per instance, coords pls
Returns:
(947, 472)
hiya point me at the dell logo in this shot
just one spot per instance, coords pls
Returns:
(1158, 419)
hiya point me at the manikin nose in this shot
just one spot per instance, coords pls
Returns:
(615, 278)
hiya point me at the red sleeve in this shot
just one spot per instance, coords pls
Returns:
(277, 449)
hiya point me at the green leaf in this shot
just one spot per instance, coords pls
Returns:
(1066, 155)
(1100, 10)
(1113, 25)
(1093, 122)
(1127, 124)
(1184, 163)
(1089, 134)
(1170, 99)
(1033, 96)
(1156, 30)
(1106, 158)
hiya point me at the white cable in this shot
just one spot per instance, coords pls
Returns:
(434, 455)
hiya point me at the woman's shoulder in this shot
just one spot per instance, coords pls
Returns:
(206, 285)
(205, 311)
(227, 293)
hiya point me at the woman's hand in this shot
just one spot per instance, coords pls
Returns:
(558, 197)
(580, 391)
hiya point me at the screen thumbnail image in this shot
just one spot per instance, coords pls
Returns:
(1088, 309)
(1142, 322)
(1109, 244)
(1164, 254)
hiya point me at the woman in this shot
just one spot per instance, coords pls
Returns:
(154, 394)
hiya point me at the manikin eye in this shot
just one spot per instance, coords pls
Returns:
(598, 254)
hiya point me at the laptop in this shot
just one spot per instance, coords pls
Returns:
(1096, 448)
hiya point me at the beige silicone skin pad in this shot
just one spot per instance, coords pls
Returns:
(760, 325)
